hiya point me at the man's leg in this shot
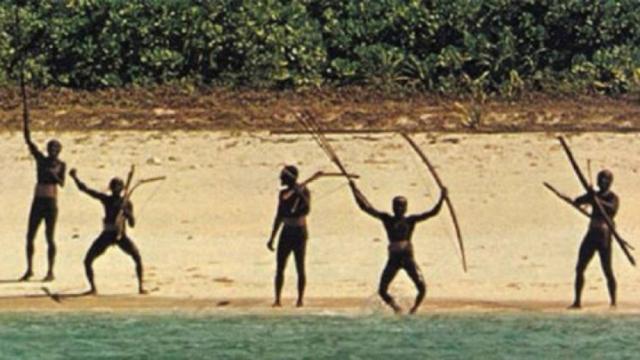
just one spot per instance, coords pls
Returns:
(35, 217)
(130, 248)
(299, 253)
(415, 274)
(50, 219)
(389, 272)
(607, 268)
(282, 255)
(97, 248)
(587, 250)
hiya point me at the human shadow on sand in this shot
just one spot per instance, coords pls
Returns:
(18, 281)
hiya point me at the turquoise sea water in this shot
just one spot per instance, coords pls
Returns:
(180, 336)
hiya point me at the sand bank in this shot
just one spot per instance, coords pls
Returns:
(202, 233)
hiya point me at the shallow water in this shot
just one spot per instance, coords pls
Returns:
(169, 336)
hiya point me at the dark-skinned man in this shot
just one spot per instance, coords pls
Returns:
(294, 203)
(50, 173)
(598, 237)
(117, 215)
(399, 228)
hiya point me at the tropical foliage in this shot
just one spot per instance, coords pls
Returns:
(445, 46)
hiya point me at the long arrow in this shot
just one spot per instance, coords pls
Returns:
(433, 172)
(23, 90)
(317, 175)
(598, 204)
(568, 200)
(311, 125)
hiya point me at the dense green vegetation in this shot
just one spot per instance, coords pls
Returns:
(444, 46)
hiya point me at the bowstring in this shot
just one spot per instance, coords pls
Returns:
(314, 130)
(150, 197)
(327, 193)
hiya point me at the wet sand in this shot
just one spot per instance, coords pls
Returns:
(262, 306)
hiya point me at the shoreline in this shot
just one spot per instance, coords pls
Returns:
(313, 306)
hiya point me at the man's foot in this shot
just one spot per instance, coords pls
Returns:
(142, 291)
(276, 304)
(299, 303)
(396, 308)
(613, 305)
(413, 310)
(575, 306)
(27, 275)
(48, 278)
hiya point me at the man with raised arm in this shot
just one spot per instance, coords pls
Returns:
(294, 203)
(598, 237)
(117, 214)
(399, 230)
(50, 172)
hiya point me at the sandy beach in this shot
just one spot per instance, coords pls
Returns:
(202, 232)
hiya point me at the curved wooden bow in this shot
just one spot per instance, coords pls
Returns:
(128, 191)
(438, 181)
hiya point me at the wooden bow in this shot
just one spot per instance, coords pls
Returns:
(585, 184)
(128, 191)
(438, 181)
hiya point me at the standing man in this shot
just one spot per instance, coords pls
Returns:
(598, 237)
(50, 172)
(294, 203)
(399, 230)
(118, 212)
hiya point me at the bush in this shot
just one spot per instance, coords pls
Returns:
(499, 46)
